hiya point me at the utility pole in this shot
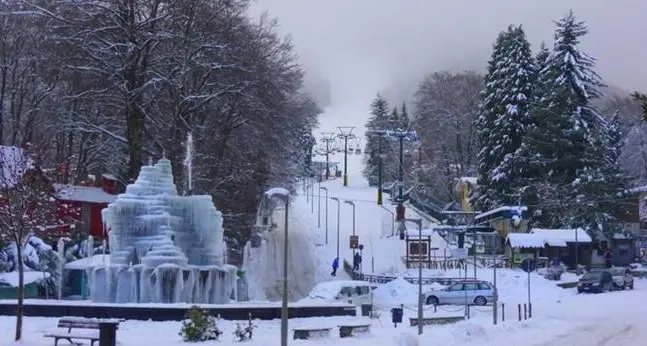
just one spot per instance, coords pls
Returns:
(346, 132)
(328, 138)
(401, 135)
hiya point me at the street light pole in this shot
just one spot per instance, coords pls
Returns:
(283, 195)
(325, 189)
(319, 205)
(353, 205)
(338, 215)
(420, 318)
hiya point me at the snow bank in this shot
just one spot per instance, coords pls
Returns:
(399, 291)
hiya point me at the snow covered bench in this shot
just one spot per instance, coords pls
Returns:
(78, 323)
(311, 333)
(353, 330)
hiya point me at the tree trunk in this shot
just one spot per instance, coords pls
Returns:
(21, 285)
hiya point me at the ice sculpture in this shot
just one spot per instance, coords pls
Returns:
(164, 248)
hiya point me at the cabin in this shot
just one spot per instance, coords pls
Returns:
(570, 246)
(87, 202)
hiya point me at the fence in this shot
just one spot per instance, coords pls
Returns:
(383, 279)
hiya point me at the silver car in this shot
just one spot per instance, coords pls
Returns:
(463, 293)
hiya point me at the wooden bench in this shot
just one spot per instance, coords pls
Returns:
(353, 330)
(311, 333)
(73, 323)
(426, 321)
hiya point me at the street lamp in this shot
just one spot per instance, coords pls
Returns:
(283, 195)
(419, 223)
(325, 189)
(319, 206)
(338, 214)
(346, 132)
(353, 205)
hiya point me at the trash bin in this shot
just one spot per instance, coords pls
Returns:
(396, 316)
(366, 309)
(108, 333)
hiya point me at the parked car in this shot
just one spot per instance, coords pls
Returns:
(463, 293)
(595, 281)
(622, 278)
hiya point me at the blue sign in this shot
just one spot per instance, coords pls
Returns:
(528, 265)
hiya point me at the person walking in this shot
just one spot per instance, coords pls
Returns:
(335, 265)
(357, 259)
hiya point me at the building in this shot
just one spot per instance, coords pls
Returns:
(84, 203)
(549, 244)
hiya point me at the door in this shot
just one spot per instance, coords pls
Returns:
(455, 295)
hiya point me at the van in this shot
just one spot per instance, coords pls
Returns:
(347, 291)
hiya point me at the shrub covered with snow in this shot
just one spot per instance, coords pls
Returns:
(37, 256)
(199, 326)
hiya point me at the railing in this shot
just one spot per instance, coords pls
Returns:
(383, 279)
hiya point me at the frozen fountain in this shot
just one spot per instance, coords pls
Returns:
(164, 248)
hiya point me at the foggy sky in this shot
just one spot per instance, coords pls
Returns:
(364, 46)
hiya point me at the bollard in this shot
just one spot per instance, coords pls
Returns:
(525, 316)
(435, 308)
(503, 312)
(529, 310)
(519, 309)
(468, 312)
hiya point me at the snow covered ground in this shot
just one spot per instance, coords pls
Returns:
(615, 318)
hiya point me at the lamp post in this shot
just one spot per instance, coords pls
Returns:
(346, 132)
(392, 220)
(419, 223)
(319, 206)
(338, 214)
(283, 195)
(325, 189)
(353, 205)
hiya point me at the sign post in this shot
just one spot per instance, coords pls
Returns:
(529, 265)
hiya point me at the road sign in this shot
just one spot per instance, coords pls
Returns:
(528, 265)
(354, 241)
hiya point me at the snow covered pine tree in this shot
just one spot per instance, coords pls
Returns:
(504, 117)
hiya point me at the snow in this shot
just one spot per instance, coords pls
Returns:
(89, 262)
(500, 209)
(564, 235)
(525, 240)
(11, 278)
(77, 193)
(578, 320)
(278, 191)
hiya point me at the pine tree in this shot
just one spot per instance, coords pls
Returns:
(642, 98)
(404, 116)
(504, 117)
(563, 156)
(375, 143)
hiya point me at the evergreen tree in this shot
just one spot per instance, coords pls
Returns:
(642, 98)
(404, 116)
(374, 142)
(563, 156)
(504, 117)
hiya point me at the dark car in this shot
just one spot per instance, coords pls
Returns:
(597, 281)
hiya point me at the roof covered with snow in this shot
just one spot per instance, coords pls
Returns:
(565, 235)
(78, 193)
(525, 240)
(517, 209)
(88, 262)
(11, 278)
(538, 238)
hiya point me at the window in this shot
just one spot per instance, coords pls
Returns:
(365, 290)
(457, 287)
(471, 286)
(623, 251)
(346, 291)
(484, 286)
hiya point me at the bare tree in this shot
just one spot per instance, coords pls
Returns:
(26, 207)
(446, 105)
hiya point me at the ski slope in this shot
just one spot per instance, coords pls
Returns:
(310, 257)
